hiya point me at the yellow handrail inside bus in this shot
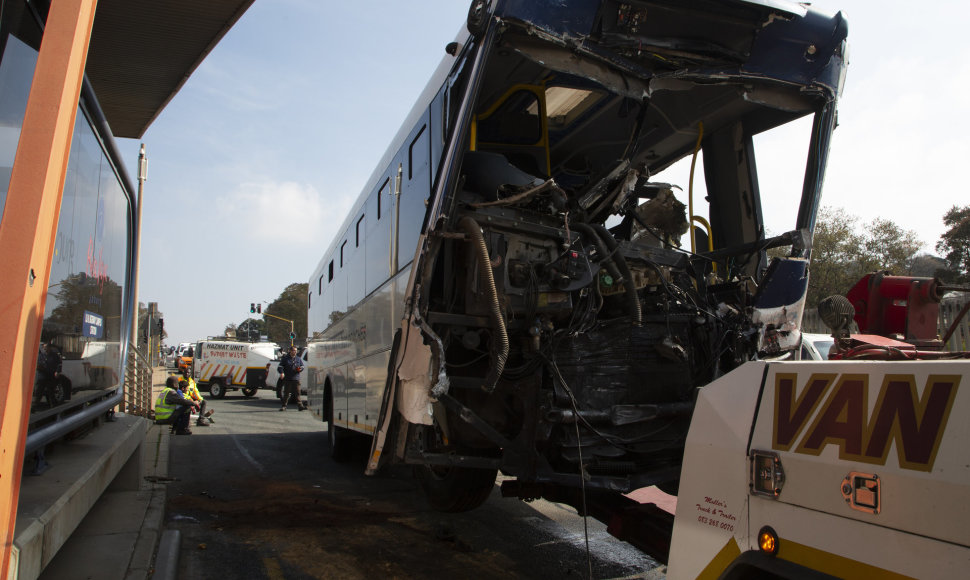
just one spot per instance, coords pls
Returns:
(707, 228)
(540, 93)
(690, 189)
(710, 238)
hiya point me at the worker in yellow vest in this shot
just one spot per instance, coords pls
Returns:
(192, 393)
(173, 408)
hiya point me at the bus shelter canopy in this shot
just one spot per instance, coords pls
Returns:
(141, 53)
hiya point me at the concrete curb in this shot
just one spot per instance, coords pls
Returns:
(167, 561)
(156, 551)
(141, 565)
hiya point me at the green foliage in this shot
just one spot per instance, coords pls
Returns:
(954, 244)
(250, 329)
(842, 252)
(289, 306)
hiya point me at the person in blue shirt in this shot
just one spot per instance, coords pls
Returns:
(291, 365)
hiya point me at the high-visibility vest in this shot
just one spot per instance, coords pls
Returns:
(163, 410)
(192, 390)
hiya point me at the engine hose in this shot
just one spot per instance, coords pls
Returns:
(601, 248)
(609, 247)
(631, 289)
(501, 351)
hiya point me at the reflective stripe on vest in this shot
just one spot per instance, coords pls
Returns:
(163, 410)
(193, 391)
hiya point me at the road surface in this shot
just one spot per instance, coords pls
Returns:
(256, 496)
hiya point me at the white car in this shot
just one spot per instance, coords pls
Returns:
(168, 358)
(816, 346)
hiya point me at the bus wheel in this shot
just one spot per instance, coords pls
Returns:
(250, 391)
(451, 488)
(217, 389)
(455, 489)
(337, 437)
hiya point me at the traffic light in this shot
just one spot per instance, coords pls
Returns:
(259, 308)
(292, 335)
(252, 307)
(161, 325)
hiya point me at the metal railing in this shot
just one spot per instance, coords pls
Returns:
(951, 310)
(138, 384)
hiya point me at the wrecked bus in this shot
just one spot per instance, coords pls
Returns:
(518, 290)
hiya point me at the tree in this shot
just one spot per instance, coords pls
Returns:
(290, 305)
(834, 246)
(954, 244)
(250, 329)
(841, 255)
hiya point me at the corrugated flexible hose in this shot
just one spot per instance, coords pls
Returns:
(500, 344)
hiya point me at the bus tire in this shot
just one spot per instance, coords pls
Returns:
(455, 489)
(250, 391)
(337, 437)
(217, 389)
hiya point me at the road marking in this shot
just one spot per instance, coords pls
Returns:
(246, 454)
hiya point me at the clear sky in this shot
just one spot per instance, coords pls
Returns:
(253, 164)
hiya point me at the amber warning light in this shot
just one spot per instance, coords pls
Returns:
(768, 541)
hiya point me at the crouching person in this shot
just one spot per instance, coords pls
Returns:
(192, 393)
(173, 408)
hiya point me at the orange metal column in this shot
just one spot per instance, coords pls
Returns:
(28, 229)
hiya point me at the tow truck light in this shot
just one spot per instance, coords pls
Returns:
(768, 541)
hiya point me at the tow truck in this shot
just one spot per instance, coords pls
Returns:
(852, 467)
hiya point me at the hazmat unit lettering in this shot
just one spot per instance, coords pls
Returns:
(232, 351)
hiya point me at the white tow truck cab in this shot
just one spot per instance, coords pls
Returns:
(850, 468)
(222, 365)
(856, 469)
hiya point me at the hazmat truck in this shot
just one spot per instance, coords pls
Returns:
(223, 365)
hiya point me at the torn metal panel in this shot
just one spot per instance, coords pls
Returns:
(415, 376)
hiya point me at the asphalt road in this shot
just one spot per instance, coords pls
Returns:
(256, 496)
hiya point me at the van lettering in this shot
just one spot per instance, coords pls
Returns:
(900, 415)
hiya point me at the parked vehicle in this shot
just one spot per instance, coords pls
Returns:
(168, 357)
(224, 365)
(183, 362)
(816, 346)
(179, 350)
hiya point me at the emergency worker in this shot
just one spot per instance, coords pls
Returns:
(291, 365)
(173, 408)
(192, 393)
